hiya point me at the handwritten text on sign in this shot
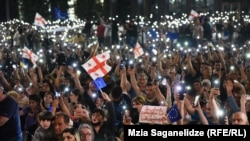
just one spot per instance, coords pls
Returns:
(152, 114)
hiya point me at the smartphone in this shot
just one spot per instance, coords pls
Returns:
(181, 90)
(196, 100)
(122, 64)
(216, 83)
(126, 114)
(222, 115)
(248, 97)
(20, 90)
(164, 81)
(58, 94)
(14, 66)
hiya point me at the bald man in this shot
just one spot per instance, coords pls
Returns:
(239, 118)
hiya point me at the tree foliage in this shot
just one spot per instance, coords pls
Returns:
(86, 9)
(29, 8)
(83, 8)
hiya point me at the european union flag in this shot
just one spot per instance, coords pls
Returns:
(153, 33)
(174, 114)
(172, 35)
(59, 14)
(99, 83)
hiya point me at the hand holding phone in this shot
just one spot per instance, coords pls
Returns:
(58, 94)
(122, 64)
(164, 82)
(126, 117)
(180, 88)
(196, 100)
(216, 83)
(126, 114)
(248, 97)
(14, 66)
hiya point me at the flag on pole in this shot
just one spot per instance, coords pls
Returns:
(193, 14)
(99, 83)
(59, 14)
(138, 50)
(173, 114)
(27, 53)
(96, 66)
(22, 63)
(39, 20)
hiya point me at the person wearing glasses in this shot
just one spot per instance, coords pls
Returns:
(86, 132)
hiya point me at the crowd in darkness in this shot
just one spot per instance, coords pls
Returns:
(55, 99)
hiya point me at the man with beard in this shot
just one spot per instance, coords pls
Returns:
(103, 123)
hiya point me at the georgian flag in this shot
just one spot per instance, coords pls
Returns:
(193, 14)
(138, 51)
(96, 66)
(27, 53)
(39, 20)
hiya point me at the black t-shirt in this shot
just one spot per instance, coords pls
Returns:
(125, 101)
(12, 128)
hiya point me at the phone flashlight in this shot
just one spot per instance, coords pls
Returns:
(196, 100)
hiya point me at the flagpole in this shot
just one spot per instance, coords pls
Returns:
(101, 91)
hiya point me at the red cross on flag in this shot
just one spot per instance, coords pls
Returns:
(39, 20)
(27, 53)
(96, 66)
(193, 14)
(138, 51)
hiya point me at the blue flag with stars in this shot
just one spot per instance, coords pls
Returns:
(173, 114)
(99, 83)
(59, 14)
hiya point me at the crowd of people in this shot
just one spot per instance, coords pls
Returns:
(202, 66)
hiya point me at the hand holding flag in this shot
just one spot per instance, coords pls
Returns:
(193, 14)
(99, 83)
(173, 114)
(138, 50)
(27, 53)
